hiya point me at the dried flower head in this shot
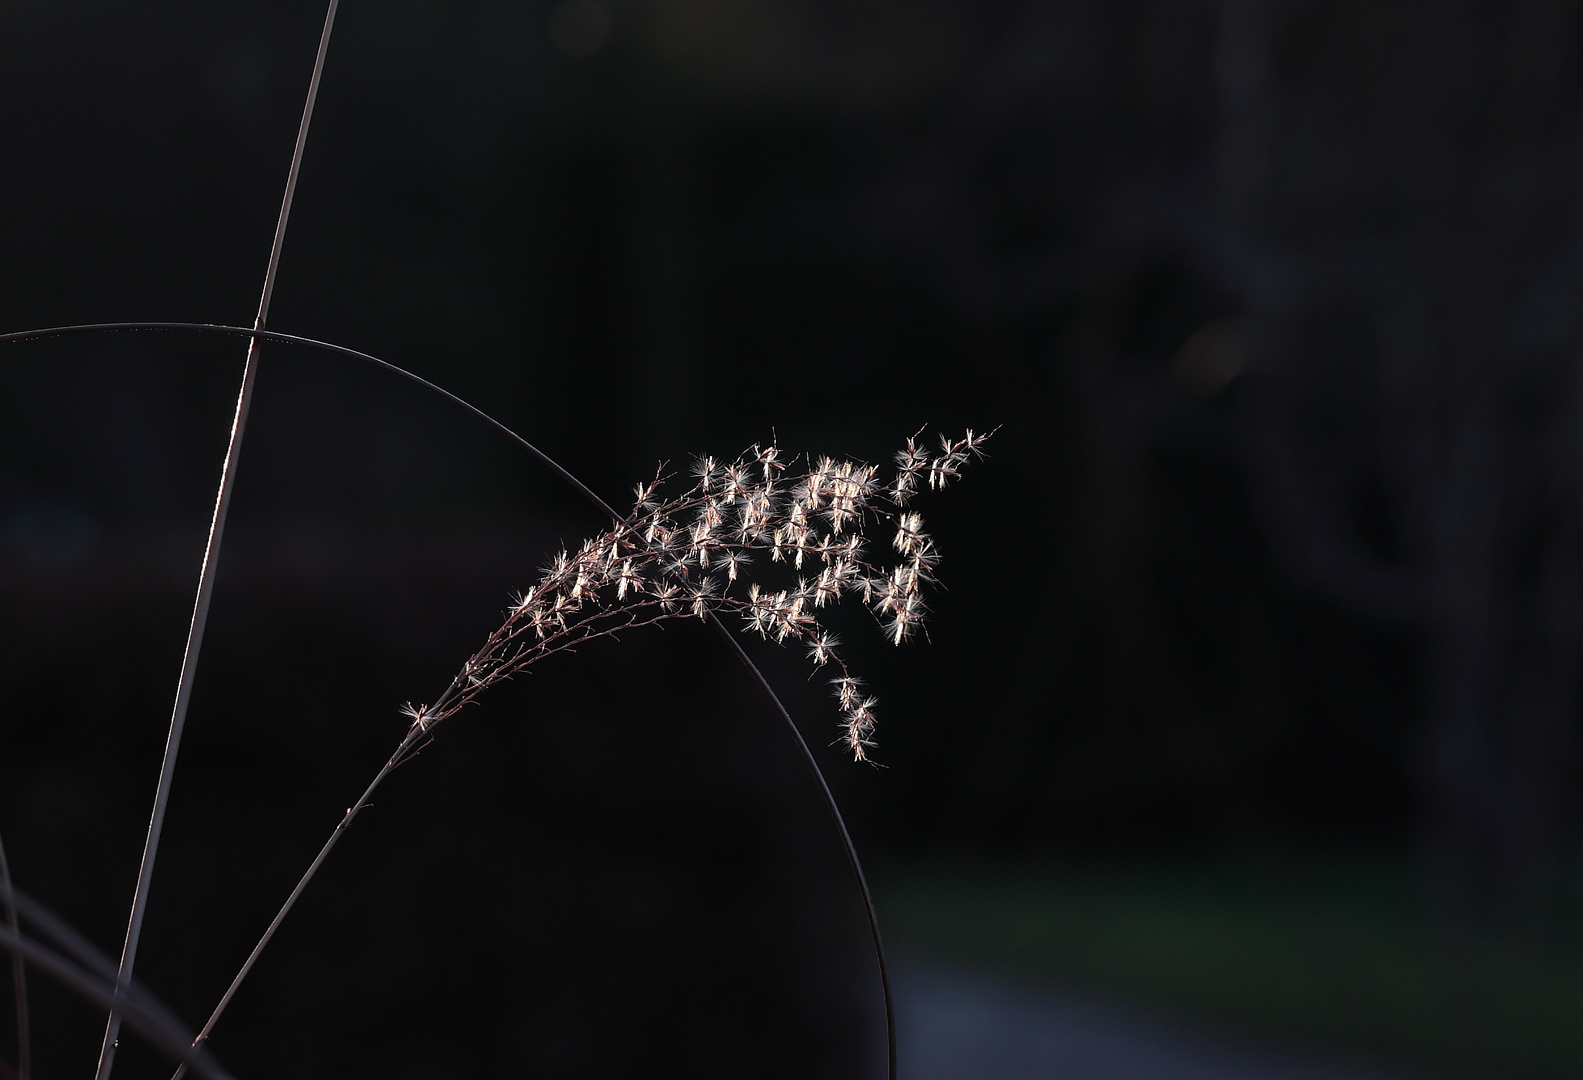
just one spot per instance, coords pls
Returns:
(690, 556)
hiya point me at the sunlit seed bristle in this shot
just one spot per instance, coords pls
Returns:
(658, 562)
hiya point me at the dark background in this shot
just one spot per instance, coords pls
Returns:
(1276, 306)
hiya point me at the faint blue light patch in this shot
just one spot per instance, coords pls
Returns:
(51, 533)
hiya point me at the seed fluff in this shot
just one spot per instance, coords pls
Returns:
(690, 555)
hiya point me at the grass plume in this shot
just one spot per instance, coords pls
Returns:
(701, 551)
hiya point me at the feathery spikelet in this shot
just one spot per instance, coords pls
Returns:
(684, 556)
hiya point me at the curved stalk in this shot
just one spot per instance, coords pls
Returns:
(829, 798)
(155, 1023)
(24, 1027)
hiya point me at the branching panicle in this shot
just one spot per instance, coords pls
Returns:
(689, 555)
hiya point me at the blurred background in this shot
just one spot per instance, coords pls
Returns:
(1254, 697)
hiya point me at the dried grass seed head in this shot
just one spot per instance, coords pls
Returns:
(690, 555)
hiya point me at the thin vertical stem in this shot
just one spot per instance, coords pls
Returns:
(24, 1027)
(178, 719)
(211, 561)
